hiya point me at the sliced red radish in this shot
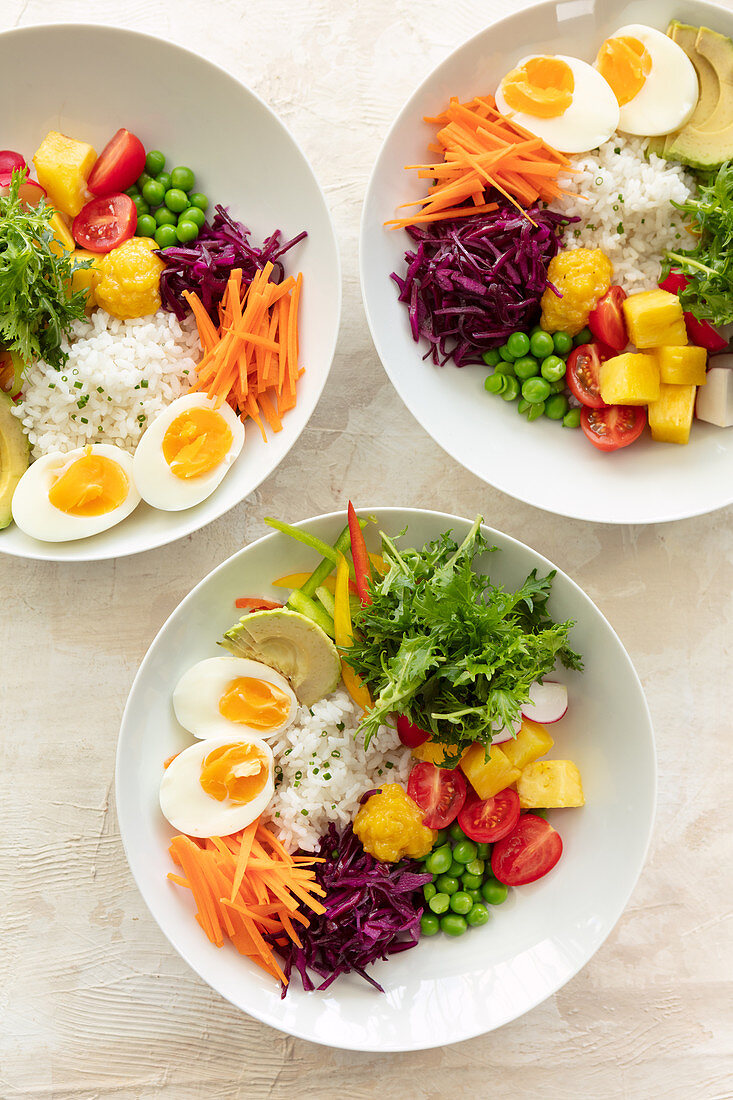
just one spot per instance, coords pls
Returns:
(507, 733)
(548, 702)
(30, 191)
(9, 160)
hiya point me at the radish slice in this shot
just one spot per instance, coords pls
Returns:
(548, 702)
(10, 160)
(507, 733)
(29, 191)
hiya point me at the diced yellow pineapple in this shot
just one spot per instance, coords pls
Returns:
(654, 319)
(62, 238)
(550, 785)
(685, 366)
(63, 166)
(433, 752)
(629, 379)
(488, 776)
(532, 741)
(670, 416)
(86, 278)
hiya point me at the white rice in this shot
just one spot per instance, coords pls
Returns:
(322, 770)
(119, 375)
(626, 208)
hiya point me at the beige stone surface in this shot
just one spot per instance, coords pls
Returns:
(93, 1001)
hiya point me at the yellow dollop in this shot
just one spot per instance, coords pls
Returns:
(238, 772)
(390, 826)
(582, 276)
(254, 703)
(129, 279)
(624, 63)
(542, 87)
(196, 441)
(92, 485)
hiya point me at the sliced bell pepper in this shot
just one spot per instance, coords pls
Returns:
(253, 603)
(362, 568)
(345, 636)
(298, 580)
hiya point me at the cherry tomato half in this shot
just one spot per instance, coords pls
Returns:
(409, 734)
(105, 223)
(118, 165)
(491, 819)
(607, 322)
(531, 850)
(439, 792)
(613, 426)
(583, 374)
(10, 160)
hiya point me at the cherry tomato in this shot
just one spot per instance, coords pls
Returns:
(492, 819)
(531, 850)
(674, 283)
(409, 734)
(105, 223)
(613, 426)
(118, 165)
(701, 333)
(10, 160)
(583, 374)
(607, 322)
(439, 792)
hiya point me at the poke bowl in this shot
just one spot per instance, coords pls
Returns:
(410, 874)
(181, 286)
(537, 205)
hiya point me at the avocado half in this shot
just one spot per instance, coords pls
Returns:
(14, 457)
(292, 644)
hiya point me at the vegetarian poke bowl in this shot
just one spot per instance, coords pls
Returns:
(546, 260)
(372, 762)
(167, 313)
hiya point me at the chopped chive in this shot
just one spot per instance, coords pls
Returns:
(78, 385)
(336, 753)
(304, 813)
(144, 383)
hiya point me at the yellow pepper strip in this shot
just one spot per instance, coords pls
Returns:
(297, 580)
(345, 635)
(379, 563)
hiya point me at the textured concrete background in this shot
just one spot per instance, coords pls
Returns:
(93, 1001)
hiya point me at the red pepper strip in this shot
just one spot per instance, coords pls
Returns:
(362, 568)
(254, 603)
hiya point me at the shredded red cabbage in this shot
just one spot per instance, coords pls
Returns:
(473, 281)
(205, 264)
(373, 910)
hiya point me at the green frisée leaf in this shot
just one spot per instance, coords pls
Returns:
(444, 645)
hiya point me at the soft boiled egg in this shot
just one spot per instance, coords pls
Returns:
(652, 78)
(69, 496)
(186, 451)
(217, 787)
(562, 100)
(234, 696)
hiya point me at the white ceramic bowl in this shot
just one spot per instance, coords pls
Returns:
(443, 990)
(87, 81)
(540, 463)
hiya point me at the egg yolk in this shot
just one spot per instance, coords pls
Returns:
(625, 64)
(542, 87)
(195, 442)
(91, 486)
(238, 772)
(254, 703)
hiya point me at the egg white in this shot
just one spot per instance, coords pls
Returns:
(197, 694)
(36, 515)
(590, 119)
(669, 94)
(153, 476)
(191, 810)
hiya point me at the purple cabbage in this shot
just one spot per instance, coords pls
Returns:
(373, 910)
(204, 265)
(473, 281)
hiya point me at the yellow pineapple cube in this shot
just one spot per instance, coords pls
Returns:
(62, 238)
(488, 776)
(654, 319)
(629, 379)
(532, 741)
(63, 166)
(670, 416)
(550, 785)
(433, 752)
(685, 366)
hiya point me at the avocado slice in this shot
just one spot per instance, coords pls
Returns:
(706, 141)
(292, 644)
(14, 457)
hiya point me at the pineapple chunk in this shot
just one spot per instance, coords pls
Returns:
(433, 752)
(629, 379)
(654, 319)
(63, 166)
(86, 278)
(488, 777)
(550, 785)
(670, 417)
(62, 238)
(685, 366)
(532, 741)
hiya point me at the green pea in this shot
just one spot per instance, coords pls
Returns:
(429, 890)
(553, 368)
(176, 200)
(556, 406)
(585, 336)
(518, 344)
(505, 354)
(476, 866)
(495, 383)
(447, 884)
(535, 390)
(471, 882)
(183, 178)
(511, 389)
(523, 405)
(429, 924)
(534, 329)
(571, 419)
(534, 412)
(461, 902)
(477, 916)
(476, 896)
(456, 833)
(483, 851)
(200, 200)
(141, 206)
(563, 342)
(494, 892)
(464, 851)
(455, 869)
(154, 162)
(193, 214)
(133, 192)
(439, 903)
(526, 367)
(439, 860)
(146, 226)
(164, 216)
(558, 387)
(142, 179)
(491, 357)
(187, 231)
(507, 369)
(154, 192)
(541, 344)
(165, 236)
(441, 838)
(453, 924)
(164, 178)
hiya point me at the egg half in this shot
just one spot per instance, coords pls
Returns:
(652, 78)
(186, 451)
(62, 497)
(217, 787)
(234, 696)
(562, 100)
